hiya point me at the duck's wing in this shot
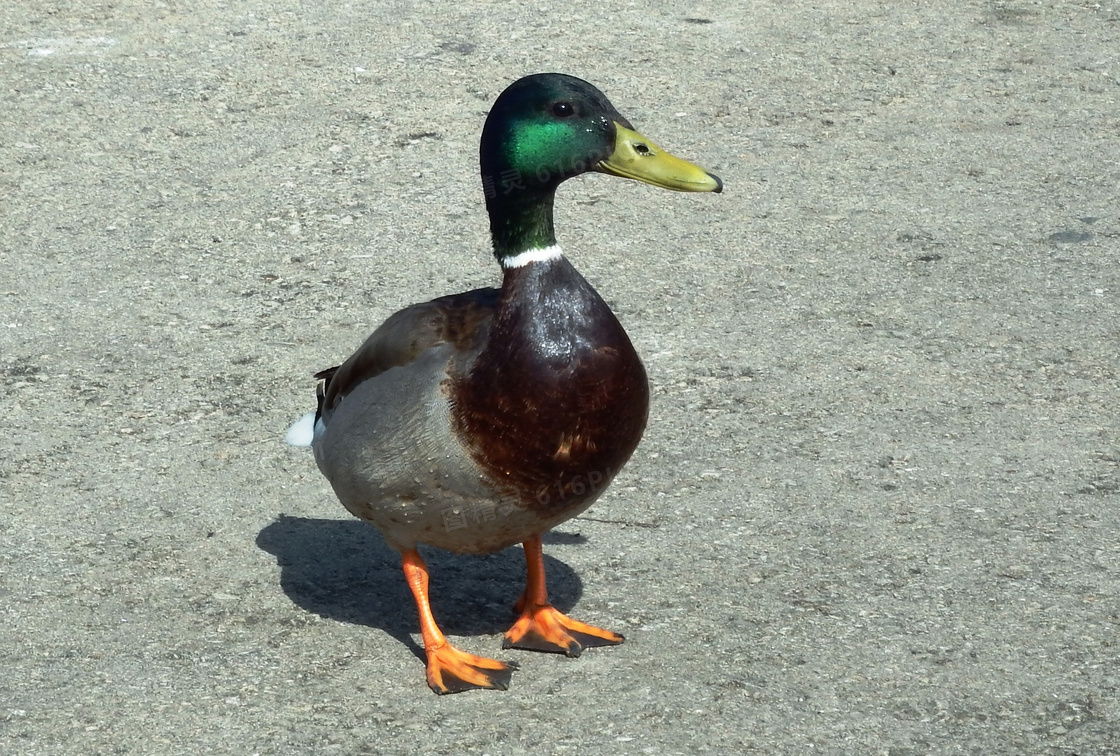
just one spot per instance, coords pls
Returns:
(461, 320)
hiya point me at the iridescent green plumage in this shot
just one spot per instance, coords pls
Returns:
(547, 128)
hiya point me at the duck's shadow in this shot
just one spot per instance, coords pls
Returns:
(343, 570)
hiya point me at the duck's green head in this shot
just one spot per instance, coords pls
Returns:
(546, 128)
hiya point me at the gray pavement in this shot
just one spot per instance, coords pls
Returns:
(876, 509)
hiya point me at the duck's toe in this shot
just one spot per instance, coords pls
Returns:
(544, 628)
(453, 671)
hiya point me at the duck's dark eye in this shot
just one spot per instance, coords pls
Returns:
(563, 110)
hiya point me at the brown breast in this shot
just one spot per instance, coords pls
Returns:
(557, 400)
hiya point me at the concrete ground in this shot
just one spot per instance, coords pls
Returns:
(876, 509)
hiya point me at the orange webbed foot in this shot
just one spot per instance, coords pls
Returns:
(449, 669)
(544, 628)
(541, 627)
(453, 671)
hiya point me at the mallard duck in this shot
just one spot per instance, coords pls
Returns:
(481, 420)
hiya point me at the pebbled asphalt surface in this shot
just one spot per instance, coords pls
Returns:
(876, 510)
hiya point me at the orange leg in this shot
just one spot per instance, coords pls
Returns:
(449, 669)
(541, 627)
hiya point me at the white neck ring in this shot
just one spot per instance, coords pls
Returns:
(522, 259)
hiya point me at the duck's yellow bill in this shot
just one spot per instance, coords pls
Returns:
(636, 157)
